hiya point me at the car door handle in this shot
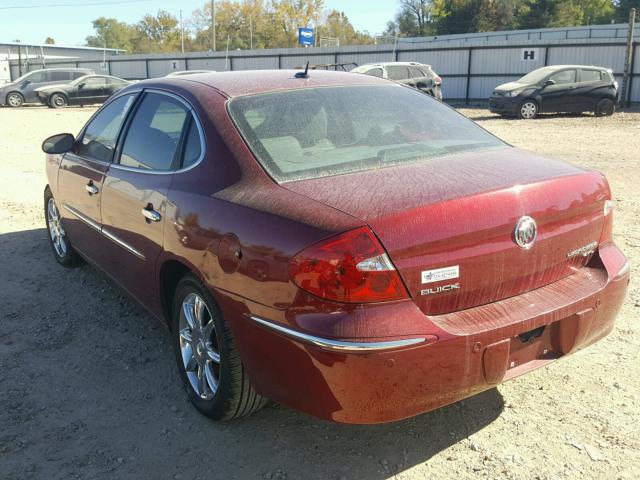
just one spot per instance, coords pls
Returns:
(150, 214)
(91, 188)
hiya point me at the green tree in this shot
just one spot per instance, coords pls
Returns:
(110, 33)
(623, 7)
(337, 25)
(49, 41)
(157, 33)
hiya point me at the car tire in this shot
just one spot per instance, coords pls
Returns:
(58, 100)
(15, 100)
(605, 108)
(63, 252)
(528, 109)
(208, 360)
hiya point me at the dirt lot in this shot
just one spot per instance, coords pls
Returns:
(89, 388)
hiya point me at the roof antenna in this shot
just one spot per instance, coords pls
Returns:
(303, 74)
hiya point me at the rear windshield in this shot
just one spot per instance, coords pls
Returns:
(309, 133)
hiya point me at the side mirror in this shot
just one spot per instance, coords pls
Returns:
(61, 143)
(25, 83)
(81, 85)
(548, 83)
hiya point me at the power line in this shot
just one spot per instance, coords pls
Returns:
(84, 4)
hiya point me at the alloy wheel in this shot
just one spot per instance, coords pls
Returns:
(57, 233)
(199, 346)
(14, 100)
(59, 101)
(528, 110)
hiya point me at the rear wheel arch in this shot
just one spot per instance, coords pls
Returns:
(170, 274)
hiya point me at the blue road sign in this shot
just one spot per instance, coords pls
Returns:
(306, 36)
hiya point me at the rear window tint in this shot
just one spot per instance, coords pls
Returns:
(590, 75)
(308, 133)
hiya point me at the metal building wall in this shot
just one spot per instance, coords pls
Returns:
(471, 65)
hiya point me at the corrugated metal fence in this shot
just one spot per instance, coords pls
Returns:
(470, 65)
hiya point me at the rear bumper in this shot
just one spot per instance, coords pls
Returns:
(452, 357)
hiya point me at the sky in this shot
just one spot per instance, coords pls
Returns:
(69, 21)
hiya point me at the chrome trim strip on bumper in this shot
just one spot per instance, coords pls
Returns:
(103, 231)
(337, 344)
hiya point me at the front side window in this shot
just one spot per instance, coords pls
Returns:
(37, 77)
(154, 134)
(564, 77)
(94, 82)
(99, 139)
(308, 133)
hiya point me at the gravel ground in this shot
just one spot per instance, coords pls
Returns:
(89, 388)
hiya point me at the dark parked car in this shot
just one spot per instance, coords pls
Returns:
(337, 243)
(22, 89)
(86, 90)
(416, 75)
(560, 88)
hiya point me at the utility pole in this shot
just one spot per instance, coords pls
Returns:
(628, 58)
(181, 33)
(19, 59)
(213, 25)
(251, 32)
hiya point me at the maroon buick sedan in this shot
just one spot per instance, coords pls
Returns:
(334, 242)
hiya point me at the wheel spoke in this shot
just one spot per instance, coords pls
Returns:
(213, 355)
(188, 358)
(185, 334)
(187, 309)
(203, 385)
(211, 377)
(199, 309)
(208, 329)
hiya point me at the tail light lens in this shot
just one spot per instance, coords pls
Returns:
(438, 80)
(607, 229)
(351, 267)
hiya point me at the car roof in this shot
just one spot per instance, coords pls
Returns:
(250, 82)
(562, 67)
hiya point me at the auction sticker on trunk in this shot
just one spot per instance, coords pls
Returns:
(446, 273)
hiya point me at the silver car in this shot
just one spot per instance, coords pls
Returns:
(22, 89)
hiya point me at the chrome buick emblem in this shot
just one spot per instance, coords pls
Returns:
(526, 232)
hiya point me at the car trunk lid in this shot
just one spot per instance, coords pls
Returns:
(448, 223)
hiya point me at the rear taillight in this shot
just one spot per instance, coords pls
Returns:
(607, 229)
(438, 80)
(351, 267)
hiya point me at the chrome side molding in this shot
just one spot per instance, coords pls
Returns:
(358, 347)
(103, 231)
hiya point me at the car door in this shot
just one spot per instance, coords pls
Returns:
(590, 88)
(135, 190)
(81, 176)
(421, 81)
(91, 90)
(28, 86)
(559, 96)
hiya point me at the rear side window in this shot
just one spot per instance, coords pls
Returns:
(564, 77)
(590, 75)
(376, 72)
(192, 146)
(154, 134)
(416, 72)
(75, 75)
(99, 139)
(398, 73)
(60, 76)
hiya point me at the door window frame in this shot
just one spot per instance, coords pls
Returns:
(115, 162)
(136, 97)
